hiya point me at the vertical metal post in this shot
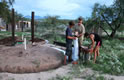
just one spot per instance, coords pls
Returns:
(32, 27)
(13, 27)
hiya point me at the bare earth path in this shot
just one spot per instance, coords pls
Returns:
(62, 71)
(36, 76)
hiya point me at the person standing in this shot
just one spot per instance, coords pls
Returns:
(81, 31)
(69, 39)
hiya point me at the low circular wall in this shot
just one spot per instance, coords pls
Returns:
(34, 59)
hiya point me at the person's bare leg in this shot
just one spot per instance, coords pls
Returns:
(80, 44)
(95, 53)
(65, 60)
(94, 56)
(98, 51)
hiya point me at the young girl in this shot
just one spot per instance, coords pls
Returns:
(94, 38)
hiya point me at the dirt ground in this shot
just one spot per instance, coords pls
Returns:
(34, 59)
(61, 71)
(8, 40)
(38, 60)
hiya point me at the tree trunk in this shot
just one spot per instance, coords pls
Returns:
(22, 25)
(113, 33)
(13, 27)
(6, 27)
(104, 31)
(100, 31)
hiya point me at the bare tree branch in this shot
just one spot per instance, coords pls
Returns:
(119, 25)
(107, 22)
(104, 30)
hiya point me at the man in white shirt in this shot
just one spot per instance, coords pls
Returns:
(81, 31)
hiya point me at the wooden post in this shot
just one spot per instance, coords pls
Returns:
(27, 24)
(13, 27)
(32, 27)
(6, 27)
(22, 25)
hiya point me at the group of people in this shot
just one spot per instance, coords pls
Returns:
(75, 33)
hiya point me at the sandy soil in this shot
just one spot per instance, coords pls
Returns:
(36, 76)
(61, 71)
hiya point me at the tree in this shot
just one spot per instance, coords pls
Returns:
(92, 22)
(112, 16)
(5, 12)
(10, 2)
(4, 9)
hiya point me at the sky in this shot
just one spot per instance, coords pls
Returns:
(66, 9)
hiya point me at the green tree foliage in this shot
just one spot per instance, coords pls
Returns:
(4, 9)
(19, 17)
(51, 27)
(89, 24)
(112, 16)
(9, 2)
(51, 22)
(6, 13)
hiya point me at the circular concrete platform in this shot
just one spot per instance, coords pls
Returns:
(34, 59)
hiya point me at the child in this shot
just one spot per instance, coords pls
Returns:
(69, 39)
(94, 38)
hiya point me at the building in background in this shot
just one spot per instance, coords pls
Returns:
(2, 25)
